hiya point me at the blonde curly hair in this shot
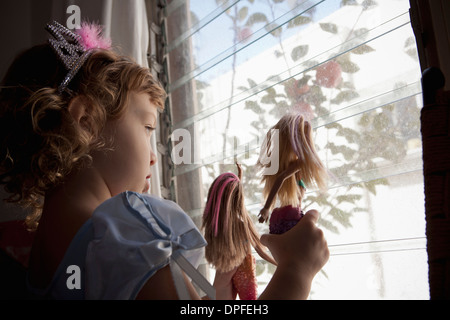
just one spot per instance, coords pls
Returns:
(41, 143)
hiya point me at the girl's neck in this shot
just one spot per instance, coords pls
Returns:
(66, 208)
(84, 190)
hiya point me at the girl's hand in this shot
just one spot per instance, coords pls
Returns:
(302, 251)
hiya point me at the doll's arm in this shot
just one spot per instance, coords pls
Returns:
(292, 169)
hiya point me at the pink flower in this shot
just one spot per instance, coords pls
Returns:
(329, 74)
(293, 90)
(244, 34)
(304, 109)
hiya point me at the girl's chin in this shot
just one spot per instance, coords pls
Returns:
(147, 186)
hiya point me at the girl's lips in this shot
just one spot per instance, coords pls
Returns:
(147, 184)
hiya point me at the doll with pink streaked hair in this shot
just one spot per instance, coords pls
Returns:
(231, 234)
(299, 166)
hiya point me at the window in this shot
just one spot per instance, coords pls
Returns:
(351, 66)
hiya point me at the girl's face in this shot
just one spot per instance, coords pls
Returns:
(127, 166)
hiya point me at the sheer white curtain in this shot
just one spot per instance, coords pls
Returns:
(126, 23)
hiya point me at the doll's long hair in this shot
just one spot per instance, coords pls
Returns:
(293, 134)
(227, 225)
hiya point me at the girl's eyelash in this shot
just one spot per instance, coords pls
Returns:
(150, 128)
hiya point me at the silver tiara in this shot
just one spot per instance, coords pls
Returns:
(72, 54)
(74, 49)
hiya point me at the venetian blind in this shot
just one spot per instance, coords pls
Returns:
(351, 67)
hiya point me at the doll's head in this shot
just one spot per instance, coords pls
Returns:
(41, 142)
(227, 225)
(295, 142)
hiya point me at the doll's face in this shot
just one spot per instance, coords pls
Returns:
(127, 166)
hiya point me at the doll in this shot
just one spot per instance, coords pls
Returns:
(230, 233)
(299, 166)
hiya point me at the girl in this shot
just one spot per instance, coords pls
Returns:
(76, 121)
(299, 165)
(230, 233)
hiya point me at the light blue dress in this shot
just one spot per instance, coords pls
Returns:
(126, 241)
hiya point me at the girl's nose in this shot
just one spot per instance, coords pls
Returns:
(153, 158)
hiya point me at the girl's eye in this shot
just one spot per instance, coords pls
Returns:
(149, 129)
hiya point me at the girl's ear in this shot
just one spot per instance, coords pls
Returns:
(77, 108)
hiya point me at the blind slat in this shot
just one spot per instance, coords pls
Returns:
(199, 25)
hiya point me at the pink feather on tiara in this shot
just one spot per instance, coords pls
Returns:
(91, 37)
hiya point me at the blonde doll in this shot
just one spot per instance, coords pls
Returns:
(299, 165)
(230, 234)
